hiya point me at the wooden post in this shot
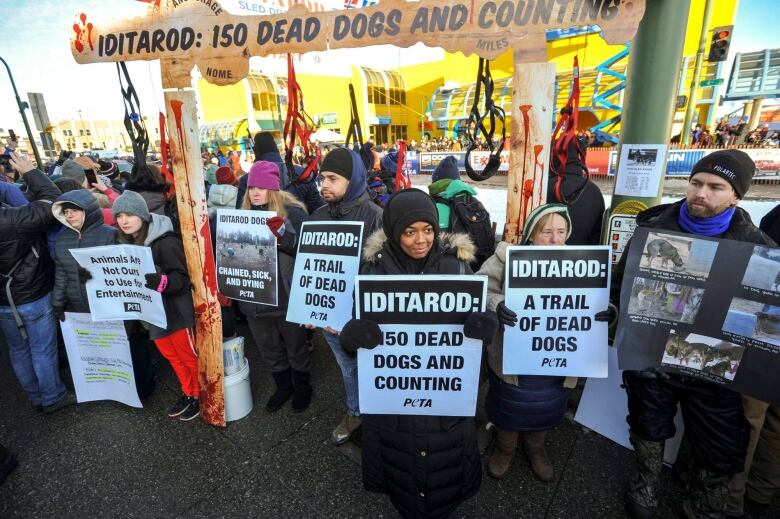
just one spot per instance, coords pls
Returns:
(532, 117)
(181, 109)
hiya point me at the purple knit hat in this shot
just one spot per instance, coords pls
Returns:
(264, 174)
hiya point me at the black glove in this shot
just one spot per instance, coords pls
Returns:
(84, 275)
(506, 317)
(481, 326)
(59, 313)
(607, 316)
(156, 281)
(360, 333)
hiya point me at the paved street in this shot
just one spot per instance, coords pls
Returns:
(107, 460)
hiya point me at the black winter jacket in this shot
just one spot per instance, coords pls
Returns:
(168, 256)
(585, 208)
(361, 209)
(665, 217)
(23, 241)
(427, 465)
(285, 264)
(69, 293)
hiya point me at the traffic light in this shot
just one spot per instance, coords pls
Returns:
(719, 48)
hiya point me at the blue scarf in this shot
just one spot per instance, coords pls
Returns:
(713, 226)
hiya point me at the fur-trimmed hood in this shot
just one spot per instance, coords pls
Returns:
(459, 244)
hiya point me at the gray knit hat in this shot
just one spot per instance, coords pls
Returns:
(131, 203)
(74, 170)
(541, 211)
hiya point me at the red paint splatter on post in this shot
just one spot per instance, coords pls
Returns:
(538, 166)
(524, 109)
(83, 34)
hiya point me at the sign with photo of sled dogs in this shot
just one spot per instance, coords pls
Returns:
(425, 365)
(702, 307)
(327, 262)
(556, 292)
(246, 256)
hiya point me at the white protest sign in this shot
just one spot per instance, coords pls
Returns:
(99, 358)
(327, 262)
(246, 256)
(556, 291)
(640, 169)
(604, 406)
(425, 365)
(117, 290)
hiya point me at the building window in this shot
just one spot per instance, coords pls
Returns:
(264, 93)
(384, 87)
(88, 133)
(81, 132)
(378, 133)
(397, 132)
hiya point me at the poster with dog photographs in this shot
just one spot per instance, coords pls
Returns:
(246, 256)
(702, 307)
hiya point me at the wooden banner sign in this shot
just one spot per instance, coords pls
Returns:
(202, 33)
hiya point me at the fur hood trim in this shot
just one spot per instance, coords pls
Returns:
(461, 244)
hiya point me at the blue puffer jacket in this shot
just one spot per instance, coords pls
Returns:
(535, 403)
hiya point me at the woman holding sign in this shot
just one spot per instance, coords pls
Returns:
(281, 343)
(427, 465)
(527, 405)
(137, 226)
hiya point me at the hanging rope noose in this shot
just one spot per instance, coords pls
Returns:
(134, 123)
(298, 125)
(562, 142)
(476, 124)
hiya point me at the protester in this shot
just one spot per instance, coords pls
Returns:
(713, 415)
(137, 226)
(223, 194)
(282, 344)
(148, 182)
(460, 211)
(83, 226)
(264, 149)
(7, 463)
(427, 465)
(527, 405)
(344, 190)
(582, 197)
(26, 317)
(305, 190)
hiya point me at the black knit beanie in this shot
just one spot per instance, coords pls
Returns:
(406, 207)
(264, 143)
(734, 166)
(338, 161)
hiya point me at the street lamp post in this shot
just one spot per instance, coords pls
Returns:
(22, 105)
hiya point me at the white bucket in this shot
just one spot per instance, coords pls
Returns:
(238, 394)
(233, 355)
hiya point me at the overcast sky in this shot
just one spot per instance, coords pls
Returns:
(37, 50)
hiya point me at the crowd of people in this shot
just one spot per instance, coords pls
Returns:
(427, 465)
(727, 134)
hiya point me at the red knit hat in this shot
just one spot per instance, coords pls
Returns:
(264, 174)
(225, 176)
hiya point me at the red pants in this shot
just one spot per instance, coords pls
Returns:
(179, 349)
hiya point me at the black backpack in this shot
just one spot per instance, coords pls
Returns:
(469, 216)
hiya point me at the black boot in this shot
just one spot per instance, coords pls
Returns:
(644, 489)
(7, 463)
(284, 391)
(709, 492)
(302, 396)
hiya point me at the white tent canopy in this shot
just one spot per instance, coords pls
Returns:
(325, 135)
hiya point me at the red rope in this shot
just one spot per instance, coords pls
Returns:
(568, 120)
(164, 153)
(298, 125)
(402, 181)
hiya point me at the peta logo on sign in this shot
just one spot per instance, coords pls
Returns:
(132, 307)
(417, 402)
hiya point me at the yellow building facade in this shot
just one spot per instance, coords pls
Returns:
(436, 96)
